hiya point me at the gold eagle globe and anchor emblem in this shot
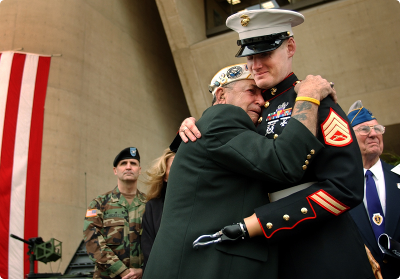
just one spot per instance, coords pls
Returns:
(245, 20)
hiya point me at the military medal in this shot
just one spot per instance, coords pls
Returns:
(377, 219)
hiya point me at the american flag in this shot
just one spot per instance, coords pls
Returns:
(91, 213)
(23, 84)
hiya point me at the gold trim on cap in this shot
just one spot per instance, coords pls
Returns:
(245, 20)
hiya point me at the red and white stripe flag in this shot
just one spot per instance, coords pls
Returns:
(23, 84)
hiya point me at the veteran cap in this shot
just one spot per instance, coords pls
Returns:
(229, 74)
(127, 153)
(358, 114)
(262, 30)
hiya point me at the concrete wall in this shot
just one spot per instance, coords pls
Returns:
(114, 86)
(354, 43)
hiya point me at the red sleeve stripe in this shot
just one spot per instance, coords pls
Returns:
(288, 228)
(328, 202)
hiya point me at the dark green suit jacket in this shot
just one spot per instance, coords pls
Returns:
(219, 180)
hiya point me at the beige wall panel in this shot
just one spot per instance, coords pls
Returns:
(183, 20)
(174, 30)
(184, 24)
(192, 12)
(68, 215)
(353, 43)
(188, 75)
(114, 86)
(340, 41)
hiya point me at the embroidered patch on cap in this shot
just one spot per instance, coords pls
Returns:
(336, 130)
(133, 151)
(91, 213)
(328, 202)
(234, 72)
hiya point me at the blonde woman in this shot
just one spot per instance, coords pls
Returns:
(157, 180)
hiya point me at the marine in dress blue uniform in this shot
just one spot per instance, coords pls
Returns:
(311, 222)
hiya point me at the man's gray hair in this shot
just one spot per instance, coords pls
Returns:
(224, 86)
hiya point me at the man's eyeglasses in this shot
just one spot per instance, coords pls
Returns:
(365, 130)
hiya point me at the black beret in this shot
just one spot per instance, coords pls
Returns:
(127, 153)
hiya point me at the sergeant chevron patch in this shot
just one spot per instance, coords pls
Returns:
(336, 130)
(328, 202)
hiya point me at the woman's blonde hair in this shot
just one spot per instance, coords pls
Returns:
(156, 174)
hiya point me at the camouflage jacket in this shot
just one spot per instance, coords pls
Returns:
(112, 233)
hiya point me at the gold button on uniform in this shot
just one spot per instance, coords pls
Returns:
(260, 120)
(306, 162)
(275, 136)
(304, 210)
(269, 226)
(308, 156)
(286, 217)
(312, 151)
(266, 104)
(304, 167)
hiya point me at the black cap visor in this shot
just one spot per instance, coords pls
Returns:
(251, 49)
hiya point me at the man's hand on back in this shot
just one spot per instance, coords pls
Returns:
(189, 130)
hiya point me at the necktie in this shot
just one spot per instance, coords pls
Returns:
(374, 206)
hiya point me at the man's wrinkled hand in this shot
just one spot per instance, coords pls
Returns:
(188, 130)
(316, 87)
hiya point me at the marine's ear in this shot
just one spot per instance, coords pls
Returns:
(291, 47)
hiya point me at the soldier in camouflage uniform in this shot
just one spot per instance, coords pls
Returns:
(113, 223)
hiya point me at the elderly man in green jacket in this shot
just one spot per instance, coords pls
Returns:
(221, 178)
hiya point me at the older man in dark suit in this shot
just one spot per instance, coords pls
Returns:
(220, 178)
(380, 211)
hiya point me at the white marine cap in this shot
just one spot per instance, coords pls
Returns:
(229, 74)
(263, 30)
